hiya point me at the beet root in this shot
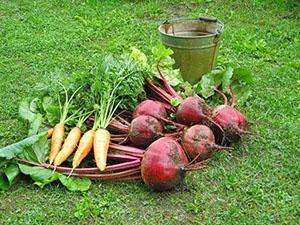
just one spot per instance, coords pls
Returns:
(232, 122)
(192, 110)
(150, 108)
(163, 164)
(144, 130)
(199, 142)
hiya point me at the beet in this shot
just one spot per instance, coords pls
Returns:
(199, 142)
(144, 130)
(192, 110)
(163, 164)
(233, 122)
(150, 108)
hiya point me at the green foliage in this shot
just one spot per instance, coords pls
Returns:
(240, 78)
(14, 150)
(43, 176)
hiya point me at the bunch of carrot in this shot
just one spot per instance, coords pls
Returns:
(97, 138)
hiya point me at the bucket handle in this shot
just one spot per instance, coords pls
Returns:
(212, 19)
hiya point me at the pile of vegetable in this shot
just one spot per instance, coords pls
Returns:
(127, 119)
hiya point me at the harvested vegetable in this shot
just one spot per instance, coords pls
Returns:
(231, 120)
(84, 148)
(59, 129)
(144, 130)
(164, 164)
(70, 143)
(199, 143)
(150, 108)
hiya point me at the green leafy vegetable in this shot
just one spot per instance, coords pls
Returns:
(11, 172)
(13, 150)
(4, 184)
(75, 184)
(240, 78)
(43, 176)
(28, 111)
(39, 174)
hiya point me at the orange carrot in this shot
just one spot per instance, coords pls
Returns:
(85, 146)
(69, 146)
(56, 141)
(101, 144)
(59, 129)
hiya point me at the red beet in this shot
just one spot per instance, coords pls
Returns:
(163, 164)
(150, 108)
(192, 110)
(144, 130)
(233, 123)
(199, 142)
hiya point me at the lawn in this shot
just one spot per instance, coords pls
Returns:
(258, 184)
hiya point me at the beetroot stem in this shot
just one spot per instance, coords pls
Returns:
(123, 120)
(110, 176)
(120, 166)
(223, 95)
(127, 150)
(182, 126)
(232, 95)
(167, 85)
(160, 92)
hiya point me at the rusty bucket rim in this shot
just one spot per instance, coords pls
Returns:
(219, 31)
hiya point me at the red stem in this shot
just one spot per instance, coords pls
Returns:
(121, 157)
(120, 166)
(160, 92)
(123, 120)
(182, 126)
(127, 150)
(118, 135)
(232, 95)
(223, 96)
(118, 126)
(167, 85)
(110, 176)
(195, 168)
(167, 106)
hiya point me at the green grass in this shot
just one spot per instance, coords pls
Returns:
(259, 184)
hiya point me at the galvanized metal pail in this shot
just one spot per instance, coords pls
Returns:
(195, 43)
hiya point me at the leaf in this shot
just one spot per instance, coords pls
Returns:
(243, 74)
(25, 112)
(227, 79)
(75, 184)
(41, 149)
(38, 174)
(15, 149)
(38, 151)
(138, 56)
(11, 172)
(53, 178)
(175, 102)
(4, 184)
(160, 52)
(205, 87)
(52, 110)
(35, 125)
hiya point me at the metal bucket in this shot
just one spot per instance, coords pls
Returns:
(195, 43)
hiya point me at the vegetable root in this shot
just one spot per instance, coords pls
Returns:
(101, 145)
(85, 146)
(69, 146)
(56, 141)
